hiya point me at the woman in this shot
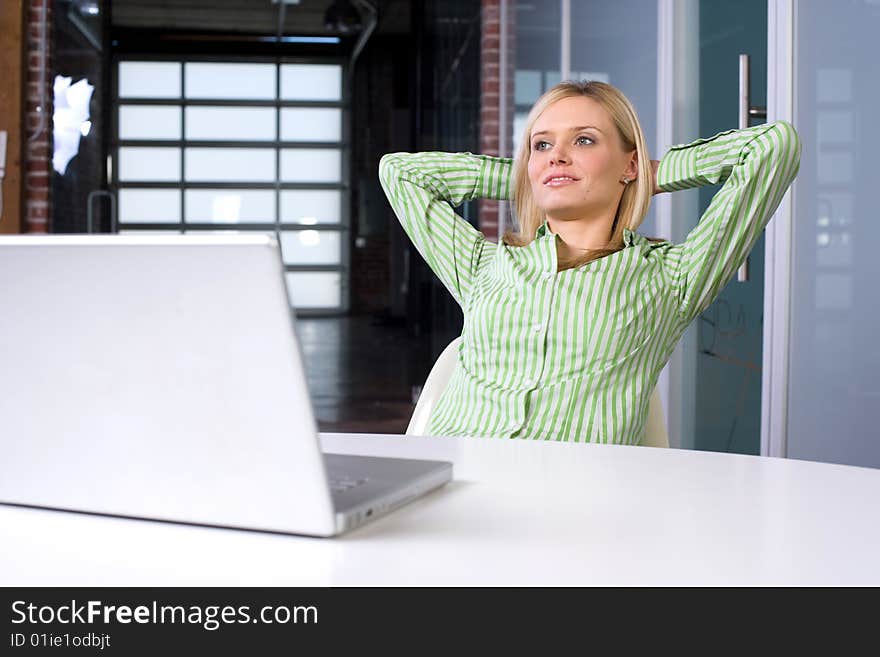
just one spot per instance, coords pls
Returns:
(568, 322)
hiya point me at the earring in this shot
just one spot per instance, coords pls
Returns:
(626, 181)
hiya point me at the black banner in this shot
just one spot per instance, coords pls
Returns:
(170, 621)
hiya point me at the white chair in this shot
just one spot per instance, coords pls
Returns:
(435, 384)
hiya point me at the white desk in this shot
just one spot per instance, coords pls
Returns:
(518, 513)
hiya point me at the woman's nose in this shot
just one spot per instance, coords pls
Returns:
(559, 155)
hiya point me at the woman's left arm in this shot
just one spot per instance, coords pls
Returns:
(756, 165)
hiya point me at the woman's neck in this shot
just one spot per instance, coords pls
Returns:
(579, 235)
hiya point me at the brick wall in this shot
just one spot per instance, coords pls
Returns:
(490, 100)
(37, 152)
(11, 70)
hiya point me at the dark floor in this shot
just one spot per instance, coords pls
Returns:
(361, 372)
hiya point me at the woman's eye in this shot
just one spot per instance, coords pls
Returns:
(540, 146)
(583, 139)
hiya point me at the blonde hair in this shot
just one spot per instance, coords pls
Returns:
(636, 197)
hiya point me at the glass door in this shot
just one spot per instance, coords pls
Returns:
(729, 334)
(714, 386)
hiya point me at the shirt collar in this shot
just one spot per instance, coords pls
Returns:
(630, 238)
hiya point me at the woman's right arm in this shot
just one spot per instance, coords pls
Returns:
(423, 188)
(756, 165)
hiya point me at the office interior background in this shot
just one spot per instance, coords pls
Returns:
(219, 116)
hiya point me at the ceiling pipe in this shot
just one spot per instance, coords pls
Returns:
(282, 15)
(372, 20)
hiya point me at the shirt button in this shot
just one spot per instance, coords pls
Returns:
(528, 383)
(537, 328)
(547, 275)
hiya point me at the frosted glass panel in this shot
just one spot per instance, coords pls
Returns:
(229, 231)
(311, 124)
(527, 87)
(520, 120)
(149, 164)
(834, 84)
(835, 127)
(311, 82)
(311, 165)
(149, 205)
(149, 122)
(230, 164)
(833, 386)
(314, 289)
(310, 247)
(311, 206)
(230, 81)
(230, 205)
(836, 167)
(149, 79)
(148, 232)
(231, 123)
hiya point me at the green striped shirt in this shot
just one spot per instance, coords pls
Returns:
(575, 354)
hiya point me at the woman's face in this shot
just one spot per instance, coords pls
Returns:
(577, 160)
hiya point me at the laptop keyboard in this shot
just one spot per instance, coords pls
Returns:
(340, 484)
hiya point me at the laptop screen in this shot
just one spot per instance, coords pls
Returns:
(156, 377)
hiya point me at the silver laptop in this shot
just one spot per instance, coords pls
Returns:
(160, 377)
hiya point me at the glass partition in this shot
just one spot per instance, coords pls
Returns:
(833, 357)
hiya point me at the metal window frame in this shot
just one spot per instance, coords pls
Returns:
(344, 145)
(778, 244)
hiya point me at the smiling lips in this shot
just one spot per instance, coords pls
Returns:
(558, 180)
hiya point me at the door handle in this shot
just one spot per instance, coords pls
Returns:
(746, 112)
(90, 217)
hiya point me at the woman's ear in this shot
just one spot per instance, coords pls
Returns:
(632, 169)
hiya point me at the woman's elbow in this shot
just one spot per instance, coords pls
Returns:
(390, 170)
(388, 163)
(789, 140)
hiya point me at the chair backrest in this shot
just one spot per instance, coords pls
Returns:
(435, 384)
(655, 428)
